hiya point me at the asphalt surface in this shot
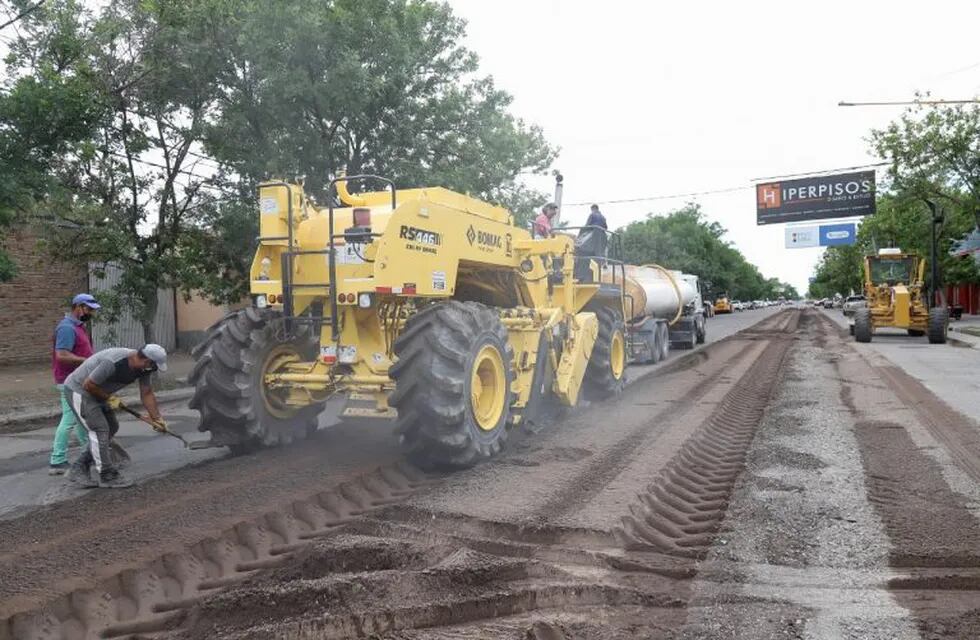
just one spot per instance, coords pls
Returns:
(25, 483)
(948, 370)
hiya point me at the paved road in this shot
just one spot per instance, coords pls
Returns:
(951, 372)
(24, 483)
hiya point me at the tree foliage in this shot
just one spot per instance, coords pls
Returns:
(933, 155)
(371, 86)
(138, 129)
(686, 241)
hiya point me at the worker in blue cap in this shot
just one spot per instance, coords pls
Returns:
(71, 347)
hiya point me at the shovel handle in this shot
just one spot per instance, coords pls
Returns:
(138, 415)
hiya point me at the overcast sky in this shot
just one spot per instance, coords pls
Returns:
(660, 98)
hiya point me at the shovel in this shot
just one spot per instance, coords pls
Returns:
(156, 427)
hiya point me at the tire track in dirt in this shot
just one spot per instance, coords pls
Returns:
(148, 598)
(681, 511)
(597, 475)
(413, 571)
(935, 537)
(150, 587)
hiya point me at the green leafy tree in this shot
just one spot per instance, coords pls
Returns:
(934, 155)
(371, 86)
(47, 107)
(838, 272)
(686, 241)
(148, 124)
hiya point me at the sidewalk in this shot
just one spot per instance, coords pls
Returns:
(27, 392)
(966, 330)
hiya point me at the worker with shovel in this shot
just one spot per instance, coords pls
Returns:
(89, 391)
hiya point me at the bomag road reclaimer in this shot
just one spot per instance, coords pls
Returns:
(895, 295)
(431, 306)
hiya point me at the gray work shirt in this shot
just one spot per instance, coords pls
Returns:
(108, 368)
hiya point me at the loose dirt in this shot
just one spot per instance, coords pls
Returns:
(745, 492)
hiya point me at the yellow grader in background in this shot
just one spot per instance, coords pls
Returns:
(894, 290)
(430, 306)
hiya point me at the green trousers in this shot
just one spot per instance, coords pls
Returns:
(59, 450)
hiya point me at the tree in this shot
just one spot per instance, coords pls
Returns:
(43, 114)
(370, 86)
(838, 272)
(934, 155)
(175, 109)
(686, 241)
(125, 191)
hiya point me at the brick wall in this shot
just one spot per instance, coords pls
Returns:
(36, 299)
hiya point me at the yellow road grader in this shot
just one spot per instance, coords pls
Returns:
(895, 293)
(431, 307)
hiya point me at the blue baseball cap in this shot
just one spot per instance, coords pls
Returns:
(87, 299)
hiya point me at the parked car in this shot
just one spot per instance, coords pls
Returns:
(852, 304)
(828, 303)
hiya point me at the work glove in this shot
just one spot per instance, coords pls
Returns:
(159, 425)
(114, 403)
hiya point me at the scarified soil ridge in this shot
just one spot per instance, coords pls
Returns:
(509, 572)
(682, 510)
(935, 538)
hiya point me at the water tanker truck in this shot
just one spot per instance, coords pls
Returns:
(666, 310)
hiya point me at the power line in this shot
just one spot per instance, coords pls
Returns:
(894, 103)
(813, 173)
(724, 189)
(660, 197)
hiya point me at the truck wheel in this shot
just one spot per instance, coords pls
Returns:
(653, 344)
(453, 383)
(916, 333)
(700, 329)
(862, 325)
(605, 375)
(229, 386)
(664, 340)
(938, 325)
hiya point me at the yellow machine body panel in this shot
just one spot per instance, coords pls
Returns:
(894, 291)
(434, 244)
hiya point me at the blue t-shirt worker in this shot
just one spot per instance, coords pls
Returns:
(70, 349)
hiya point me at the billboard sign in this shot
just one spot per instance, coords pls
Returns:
(832, 235)
(825, 235)
(800, 237)
(843, 195)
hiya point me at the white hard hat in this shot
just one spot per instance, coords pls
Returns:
(157, 354)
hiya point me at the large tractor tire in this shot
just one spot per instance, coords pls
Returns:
(862, 325)
(229, 387)
(453, 381)
(605, 375)
(938, 325)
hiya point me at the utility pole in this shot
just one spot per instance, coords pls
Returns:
(935, 219)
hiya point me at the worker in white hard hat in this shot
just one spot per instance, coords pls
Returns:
(89, 391)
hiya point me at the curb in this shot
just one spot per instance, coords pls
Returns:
(972, 342)
(959, 342)
(23, 421)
